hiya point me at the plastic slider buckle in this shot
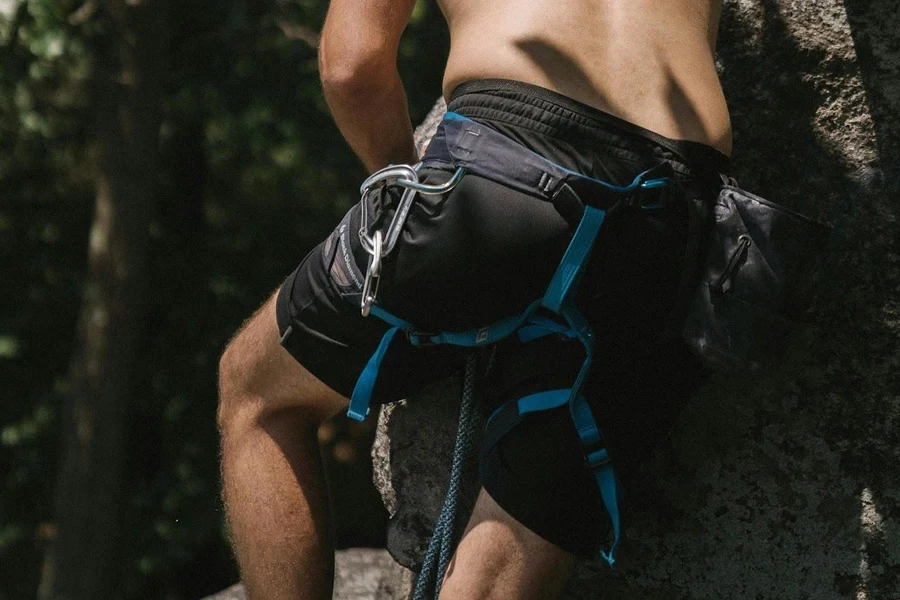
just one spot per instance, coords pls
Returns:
(651, 195)
(421, 339)
(598, 460)
(357, 416)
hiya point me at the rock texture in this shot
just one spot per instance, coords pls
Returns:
(360, 574)
(785, 485)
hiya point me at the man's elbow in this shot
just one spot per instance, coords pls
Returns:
(344, 76)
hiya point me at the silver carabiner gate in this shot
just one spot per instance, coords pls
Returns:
(373, 277)
(433, 190)
(385, 176)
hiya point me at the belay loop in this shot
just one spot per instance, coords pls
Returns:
(460, 146)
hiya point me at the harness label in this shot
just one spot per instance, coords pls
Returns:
(344, 272)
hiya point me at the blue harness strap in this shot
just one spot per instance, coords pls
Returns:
(365, 385)
(485, 152)
(510, 414)
(483, 336)
(572, 264)
(597, 457)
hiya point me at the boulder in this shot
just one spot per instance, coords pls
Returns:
(777, 484)
(360, 574)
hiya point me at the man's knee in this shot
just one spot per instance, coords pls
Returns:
(498, 557)
(251, 366)
(257, 376)
(230, 370)
(235, 381)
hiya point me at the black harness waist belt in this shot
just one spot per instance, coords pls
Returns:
(463, 143)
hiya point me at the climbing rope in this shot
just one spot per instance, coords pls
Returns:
(440, 548)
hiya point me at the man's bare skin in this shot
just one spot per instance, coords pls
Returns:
(645, 61)
(648, 62)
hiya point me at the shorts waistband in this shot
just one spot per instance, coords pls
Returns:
(546, 112)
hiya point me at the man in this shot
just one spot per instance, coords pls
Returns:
(605, 88)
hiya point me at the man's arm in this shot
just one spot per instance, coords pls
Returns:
(358, 67)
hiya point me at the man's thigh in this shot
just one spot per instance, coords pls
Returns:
(258, 376)
(498, 557)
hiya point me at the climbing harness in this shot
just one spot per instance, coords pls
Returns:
(462, 146)
(747, 263)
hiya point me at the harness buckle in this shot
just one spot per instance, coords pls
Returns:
(598, 460)
(421, 339)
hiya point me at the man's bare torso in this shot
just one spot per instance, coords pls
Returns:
(646, 61)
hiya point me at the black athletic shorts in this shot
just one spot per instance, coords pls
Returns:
(483, 252)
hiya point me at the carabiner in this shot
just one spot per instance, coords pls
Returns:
(373, 277)
(434, 190)
(385, 176)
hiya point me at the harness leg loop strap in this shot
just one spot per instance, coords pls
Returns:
(365, 385)
(598, 461)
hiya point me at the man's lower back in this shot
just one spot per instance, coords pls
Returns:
(647, 62)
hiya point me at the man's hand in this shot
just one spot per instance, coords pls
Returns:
(358, 67)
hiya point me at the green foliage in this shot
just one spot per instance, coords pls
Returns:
(44, 215)
(253, 173)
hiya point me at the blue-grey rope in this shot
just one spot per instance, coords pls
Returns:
(440, 548)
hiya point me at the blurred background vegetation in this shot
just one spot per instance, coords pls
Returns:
(240, 170)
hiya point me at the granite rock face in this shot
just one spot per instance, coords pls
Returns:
(783, 485)
(360, 574)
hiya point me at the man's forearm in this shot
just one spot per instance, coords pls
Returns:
(372, 114)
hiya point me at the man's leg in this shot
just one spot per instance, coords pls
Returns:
(274, 489)
(269, 410)
(498, 557)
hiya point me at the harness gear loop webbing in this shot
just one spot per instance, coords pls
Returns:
(440, 548)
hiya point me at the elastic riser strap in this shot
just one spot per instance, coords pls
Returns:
(574, 259)
(583, 418)
(582, 330)
(510, 414)
(539, 327)
(365, 385)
